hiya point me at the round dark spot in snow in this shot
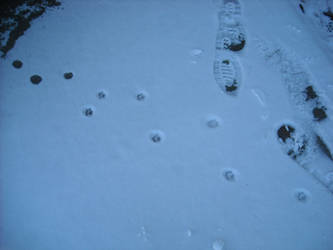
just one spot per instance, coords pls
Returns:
(68, 75)
(285, 131)
(140, 96)
(156, 136)
(213, 123)
(101, 94)
(36, 79)
(301, 196)
(229, 175)
(17, 64)
(88, 112)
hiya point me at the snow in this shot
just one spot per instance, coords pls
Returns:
(165, 159)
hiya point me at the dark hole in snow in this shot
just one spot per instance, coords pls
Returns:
(156, 138)
(140, 96)
(68, 75)
(35, 79)
(310, 93)
(301, 7)
(88, 112)
(301, 196)
(17, 64)
(101, 95)
(285, 132)
(229, 175)
(324, 148)
(319, 113)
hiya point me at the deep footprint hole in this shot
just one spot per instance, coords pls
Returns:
(35, 79)
(285, 132)
(17, 64)
(319, 113)
(68, 75)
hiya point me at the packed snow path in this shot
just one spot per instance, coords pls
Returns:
(141, 148)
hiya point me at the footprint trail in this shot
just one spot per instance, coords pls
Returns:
(230, 39)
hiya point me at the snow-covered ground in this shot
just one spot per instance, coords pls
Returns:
(144, 149)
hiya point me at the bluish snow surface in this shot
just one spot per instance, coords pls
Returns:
(165, 159)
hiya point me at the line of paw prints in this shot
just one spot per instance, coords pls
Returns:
(89, 111)
(37, 79)
(232, 175)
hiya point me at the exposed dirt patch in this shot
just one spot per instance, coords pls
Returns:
(16, 17)
(319, 113)
(310, 93)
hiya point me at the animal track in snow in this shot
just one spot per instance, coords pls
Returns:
(36, 79)
(68, 75)
(17, 64)
(156, 136)
(302, 195)
(141, 96)
(101, 94)
(230, 174)
(88, 111)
